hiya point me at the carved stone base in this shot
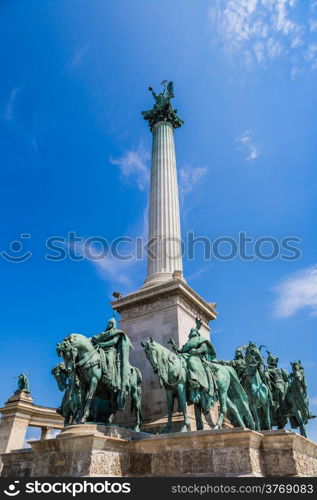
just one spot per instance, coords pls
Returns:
(96, 450)
(161, 311)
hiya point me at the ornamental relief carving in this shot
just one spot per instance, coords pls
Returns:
(148, 307)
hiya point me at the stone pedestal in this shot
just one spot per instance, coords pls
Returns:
(161, 311)
(15, 421)
(96, 450)
(18, 414)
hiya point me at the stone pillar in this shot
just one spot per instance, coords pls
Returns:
(12, 432)
(164, 220)
(18, 413)
(46, 432)
(15, 421)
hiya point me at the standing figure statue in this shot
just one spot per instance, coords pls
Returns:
(23, 382)
(277, 381)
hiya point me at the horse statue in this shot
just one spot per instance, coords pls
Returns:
(90, 365)
(296, 399)
(224, 386)
(255, 386)
(69, 384)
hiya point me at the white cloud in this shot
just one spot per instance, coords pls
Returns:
(246, 144)
(110, 268)
(313, 401)
(134, 164)
(297, 292)
(9, 109)
(78, 56)
(189, 176)
(259, 31)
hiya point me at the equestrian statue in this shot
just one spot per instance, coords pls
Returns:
(99, 377)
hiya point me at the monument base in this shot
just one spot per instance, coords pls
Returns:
(96, 450)
(162, 311)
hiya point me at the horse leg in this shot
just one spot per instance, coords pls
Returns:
(181, 392)
(80, 412)
(89, 395)
(170, 407)
(254, 412)
(267, 416)
(234, 410)
(113, 408)
(223, 387)
(199, 420)
(299, 419)
(135, 393)
(209, 420)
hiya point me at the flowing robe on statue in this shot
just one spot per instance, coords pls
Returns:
(114, 348)
(199, 353)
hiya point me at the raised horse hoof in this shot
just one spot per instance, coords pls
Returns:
(185, 428)
(137, 428)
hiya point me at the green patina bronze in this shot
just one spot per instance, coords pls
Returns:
(96, 377)
(256, 388)
(250, 392)
(296, 399)
(162, 110)
(23, 382)
(193, 375)
(68, 383)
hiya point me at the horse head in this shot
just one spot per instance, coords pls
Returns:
(60, 374)
(150, 349)
(68, 350)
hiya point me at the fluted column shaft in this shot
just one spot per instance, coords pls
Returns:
(164, 252)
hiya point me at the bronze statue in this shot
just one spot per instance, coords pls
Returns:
(101, 366)
(113, 346)
(162, 110)
(194, 375)
(23, 382)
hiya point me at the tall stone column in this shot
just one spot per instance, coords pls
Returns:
(165, 249)
(165, 306)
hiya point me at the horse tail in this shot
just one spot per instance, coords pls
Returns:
(137, 390)
(139, 376)
(237, 393)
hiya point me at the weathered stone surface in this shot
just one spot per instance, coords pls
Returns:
(200, 460)
(18, 464)
(105, 451)
(140, 464)
(162, 311)
(18, 414)
(108, 464)
(286, 453)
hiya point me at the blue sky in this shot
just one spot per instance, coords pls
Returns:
(75, 157)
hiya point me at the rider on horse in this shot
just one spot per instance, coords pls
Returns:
(199, 352)
(113, 346)
(277, 380)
